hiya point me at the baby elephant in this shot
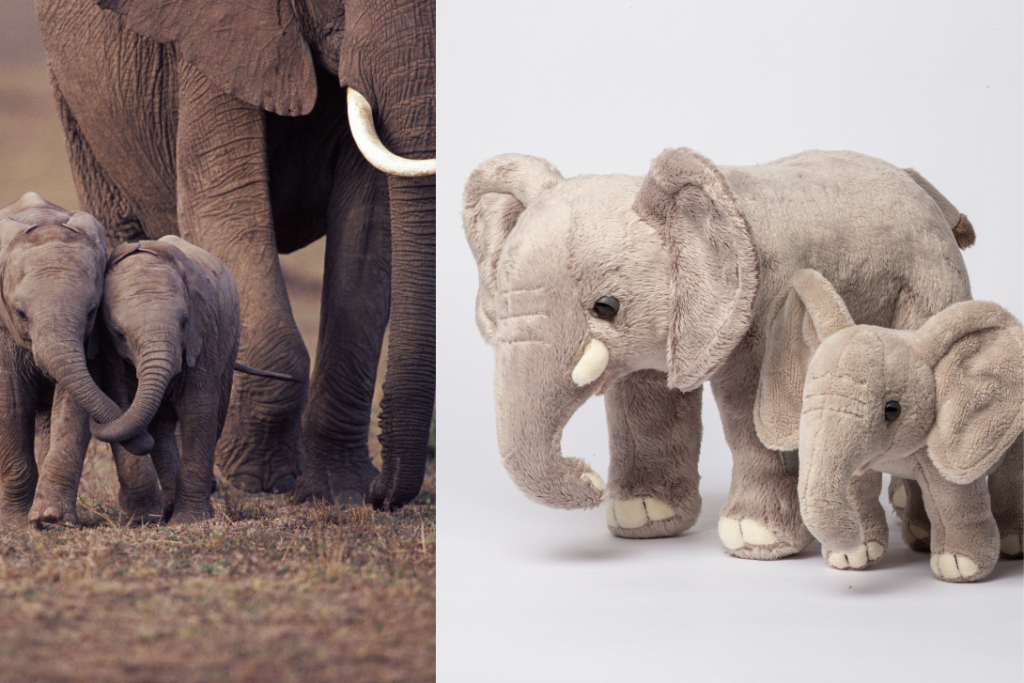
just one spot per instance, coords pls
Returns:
(943, 405)
(173, 323)
(51, 282)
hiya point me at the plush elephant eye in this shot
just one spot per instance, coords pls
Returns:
(892, 411)
(606, 307)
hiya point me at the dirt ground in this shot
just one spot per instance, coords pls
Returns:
(265, 591)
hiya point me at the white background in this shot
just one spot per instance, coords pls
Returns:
(527, 593)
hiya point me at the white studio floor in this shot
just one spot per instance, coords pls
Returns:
(528, 593)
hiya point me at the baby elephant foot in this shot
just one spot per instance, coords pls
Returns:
(52, 511)
(645, 518)
(142, 509)
(191, 516)
(865, 556)
(1011, 547)
(957, 568)
(750, 539)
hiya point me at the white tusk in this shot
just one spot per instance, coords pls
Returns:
(593, 363)
(360, 120)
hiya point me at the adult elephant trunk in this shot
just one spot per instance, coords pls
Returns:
(832, 447)
(533, 407)
(408, 401)
(155, 370)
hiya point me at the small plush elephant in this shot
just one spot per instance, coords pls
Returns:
(644, 288)
(943, 404)
(51, 284)
(172, 319)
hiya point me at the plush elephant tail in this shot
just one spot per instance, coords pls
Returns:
(962, 229)
(242, 367)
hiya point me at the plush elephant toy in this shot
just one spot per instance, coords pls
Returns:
(643, 288)
(942, 405)
(172, 319)
(253, 128)
(51, 284)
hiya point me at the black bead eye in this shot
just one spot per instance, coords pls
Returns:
(606, 307)
(892, 411)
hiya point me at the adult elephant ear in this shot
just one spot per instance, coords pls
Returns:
(810, 312)
(496, 194)
(714, 271)
(253, 50)
(977, 351)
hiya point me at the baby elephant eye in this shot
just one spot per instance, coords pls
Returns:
(606, 307)
(21, 313)
(892, 411)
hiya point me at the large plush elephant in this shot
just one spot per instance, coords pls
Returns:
(645, 287)
(943, 405)
(172, 321)
(228, 124)
(51, 284)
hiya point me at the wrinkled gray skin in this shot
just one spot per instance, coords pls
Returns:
(195, 133)
(170, 310)
(51, 282)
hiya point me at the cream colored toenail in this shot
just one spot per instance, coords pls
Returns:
(595, 480)
(875, 550)
(1010, 545)
(755, 533)
(630, 513)
(838, 560)
(730, 534)
(657, 510)
(920, 533)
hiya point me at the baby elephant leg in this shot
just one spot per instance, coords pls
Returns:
(655, 444)
(964, 535)
(197, 417)
(57, 492)
(1006, 488)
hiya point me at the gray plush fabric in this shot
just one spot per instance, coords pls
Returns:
(957, 385)
(698, 257)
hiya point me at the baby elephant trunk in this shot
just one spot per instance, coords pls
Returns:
(154, 374)
(832, 445)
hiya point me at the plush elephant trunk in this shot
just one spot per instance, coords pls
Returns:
(832, 444)
(155, 369)
(534, 405)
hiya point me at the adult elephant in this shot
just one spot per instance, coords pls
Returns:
(229, 124)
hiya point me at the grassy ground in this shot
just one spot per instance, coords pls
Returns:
(265, 591)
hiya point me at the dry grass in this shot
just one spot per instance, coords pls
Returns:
(263, 592)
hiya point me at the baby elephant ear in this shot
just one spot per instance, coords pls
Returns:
(811, 312)
(714, 271)
(496, 194)
(977, 351)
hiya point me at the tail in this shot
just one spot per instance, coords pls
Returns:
(242, 367)
(962, 229)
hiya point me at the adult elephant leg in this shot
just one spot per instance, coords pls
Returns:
(408, 401)
(761, 517)
(61, 470)
(655, 444)
(353, 317)
(224, 207)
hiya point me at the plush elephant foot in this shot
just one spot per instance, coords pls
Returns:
(646, 518)
(866, 555)
(749, 539)
(917, 537)
(47, 510)
(1011, 547)
(956, 568)
(146, 508)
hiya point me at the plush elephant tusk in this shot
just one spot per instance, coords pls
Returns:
(593, 363)
(360, 120)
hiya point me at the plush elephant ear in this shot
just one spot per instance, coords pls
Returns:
(811, 312)
(714, 267)
(977, 350)
(496, 194)
(253, 50)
